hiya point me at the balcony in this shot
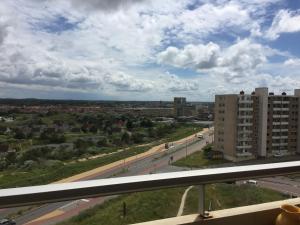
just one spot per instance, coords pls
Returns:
(280, 116)
(279, 144)
(279, 137)
(246, 109)
(281, 109)
(262, 214)
(245, 124)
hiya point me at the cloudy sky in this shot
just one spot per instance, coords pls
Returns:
(147, 49)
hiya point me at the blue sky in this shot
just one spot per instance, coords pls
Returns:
(147, 50)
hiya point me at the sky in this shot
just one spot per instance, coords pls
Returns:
(147, 49)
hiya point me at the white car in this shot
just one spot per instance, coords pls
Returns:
(199, 136)
(253, 182)
(278, 154)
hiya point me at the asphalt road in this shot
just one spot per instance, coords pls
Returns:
(152, 164)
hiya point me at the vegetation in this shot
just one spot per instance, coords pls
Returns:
(39, 157)
(140, 207)
(161, 204)
(199, 159)
(223, 196)
(35, 174)
(70, 136)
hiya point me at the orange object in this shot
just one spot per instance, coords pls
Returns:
(290, 215)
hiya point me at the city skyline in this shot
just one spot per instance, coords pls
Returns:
(147, 50)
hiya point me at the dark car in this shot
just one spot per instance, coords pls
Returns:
(7, 222)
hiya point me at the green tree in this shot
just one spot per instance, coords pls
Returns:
(125, 138)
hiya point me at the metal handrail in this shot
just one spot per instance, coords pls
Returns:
(13, 197)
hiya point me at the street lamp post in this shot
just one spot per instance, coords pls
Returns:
(185, 148)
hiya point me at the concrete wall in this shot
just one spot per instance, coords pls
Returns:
(262, 93)
(297, 93)
(225, 126)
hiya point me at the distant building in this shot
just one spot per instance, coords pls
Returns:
(179, 106)
(259, 124)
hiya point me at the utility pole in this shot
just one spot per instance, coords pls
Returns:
(185, 148)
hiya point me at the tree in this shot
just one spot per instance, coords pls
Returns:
(20, 135)
(138, 137)
(152, 132)
(125, 138)
(103, 142)
(94, 129)
(84, 128)
(11, 157)
(129, 125)
(146, 122)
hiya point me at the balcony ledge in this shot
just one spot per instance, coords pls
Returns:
(262, 214)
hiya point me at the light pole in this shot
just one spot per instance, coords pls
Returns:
(185, 148)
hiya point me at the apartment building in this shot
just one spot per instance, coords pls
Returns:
(260, 124)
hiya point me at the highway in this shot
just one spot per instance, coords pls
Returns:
(160, 162)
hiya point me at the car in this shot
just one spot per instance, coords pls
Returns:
(278, 154)
(253, 182)
(7, 222)
(200, 136)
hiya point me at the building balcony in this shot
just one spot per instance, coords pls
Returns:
(279, 144)
(279, 137)
(281, 109)
(261, 214)
(239, 147)
(280, 130)
(245, 109)
(280, 116)
(280, 123)
(281, 102)
(245, 124)
(245, 116)
(246, 101)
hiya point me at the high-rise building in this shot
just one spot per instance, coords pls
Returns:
(259, 124)
(179, 106)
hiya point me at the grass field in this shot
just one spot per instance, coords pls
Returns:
(147, 206)
(223, 196)
(183, 132)
(140, 207)
(197, 160)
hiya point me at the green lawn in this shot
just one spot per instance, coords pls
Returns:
(197, 160)
(223, 196)
(182, 132)
(141, 207)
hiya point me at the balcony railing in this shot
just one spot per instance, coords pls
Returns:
(22, 196)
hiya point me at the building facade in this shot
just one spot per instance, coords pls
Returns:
(259, 124)
(179, 106)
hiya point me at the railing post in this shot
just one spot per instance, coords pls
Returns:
(202, 200)
(202, 212)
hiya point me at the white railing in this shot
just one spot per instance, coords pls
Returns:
(15, 197)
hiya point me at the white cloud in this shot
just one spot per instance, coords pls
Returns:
(113, 47)
(105, 5)
(292, 62)
(191, 56)
(234, 62)
(125, 82)
(284, 22)
(209, 18)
